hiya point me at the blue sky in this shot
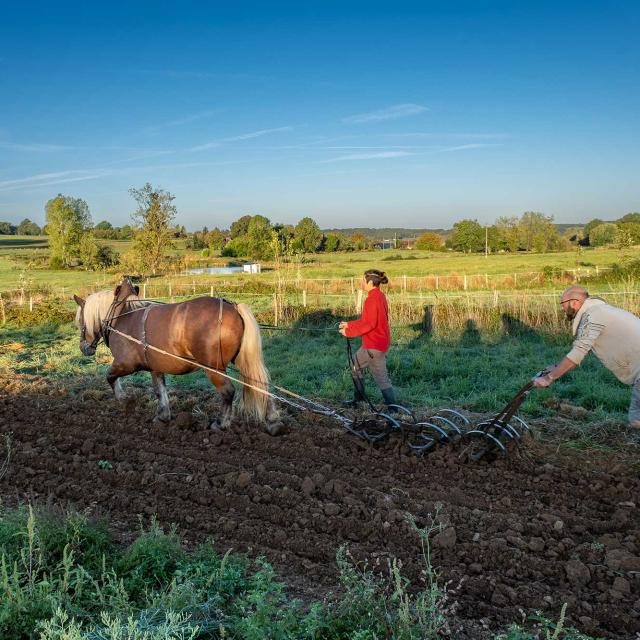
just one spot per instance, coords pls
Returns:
(357, 114)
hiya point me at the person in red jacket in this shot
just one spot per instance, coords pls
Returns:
(373, 326)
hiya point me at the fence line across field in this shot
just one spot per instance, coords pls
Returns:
(404, 283)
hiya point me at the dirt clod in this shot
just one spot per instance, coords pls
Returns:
(297, 498)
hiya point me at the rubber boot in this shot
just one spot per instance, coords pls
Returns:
(357, 399)
(389, 399)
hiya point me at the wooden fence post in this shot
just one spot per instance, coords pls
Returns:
(437, 282)
(304, 298)
(170, 291)
(4, 317)
(495, 297)
(275, 309)
(353, 290)
(464, 282)
(30, 303)
(144, 290)
(359, 302)
(211, 291)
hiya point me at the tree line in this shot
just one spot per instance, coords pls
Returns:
(74, 239)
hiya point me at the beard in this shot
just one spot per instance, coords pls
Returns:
(571, 314)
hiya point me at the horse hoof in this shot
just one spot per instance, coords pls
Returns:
(159, 421)
(274, 428)
(216, 425)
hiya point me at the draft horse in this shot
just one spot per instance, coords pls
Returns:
(209, 331)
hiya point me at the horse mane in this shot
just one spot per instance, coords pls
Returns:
(97, 305)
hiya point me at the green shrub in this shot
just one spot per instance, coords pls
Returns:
(53, 312)
(150, 562)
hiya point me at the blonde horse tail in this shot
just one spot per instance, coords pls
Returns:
(250, 362)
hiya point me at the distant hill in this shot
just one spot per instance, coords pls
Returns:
(388, 233)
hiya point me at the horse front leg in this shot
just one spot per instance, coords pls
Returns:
(163, 414)
(113, 378)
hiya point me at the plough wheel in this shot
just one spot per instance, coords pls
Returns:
(375, 428)
(481, 443)
(403, 411)
(423, 436)
(455, 417)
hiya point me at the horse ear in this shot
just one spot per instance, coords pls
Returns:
(116, 291)
(79, 301)
(137, 290)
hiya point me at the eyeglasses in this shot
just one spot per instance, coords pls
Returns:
(569, 300)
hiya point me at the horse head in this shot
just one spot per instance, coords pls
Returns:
(88, 341)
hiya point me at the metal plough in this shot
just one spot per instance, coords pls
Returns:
(446, 427)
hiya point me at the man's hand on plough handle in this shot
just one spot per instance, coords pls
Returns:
(545, 377)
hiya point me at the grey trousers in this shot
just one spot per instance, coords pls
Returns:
(375, 361)
(634, 407)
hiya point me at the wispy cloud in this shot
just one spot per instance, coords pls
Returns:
(207, 75)
(464, 147)
(370, 156)
(47, 179)
(244, 136)
(37, 148)
(200, 115)
(440, 134)
(390, 113)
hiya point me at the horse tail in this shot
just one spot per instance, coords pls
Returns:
(250, 362)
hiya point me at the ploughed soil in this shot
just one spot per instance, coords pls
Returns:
(527, 532)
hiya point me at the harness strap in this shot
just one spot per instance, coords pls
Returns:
(220, 363)
(145, 344)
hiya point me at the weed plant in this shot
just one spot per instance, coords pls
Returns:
(63, 578)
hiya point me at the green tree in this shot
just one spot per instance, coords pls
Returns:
(285, 238)
(236, 248)
(125, 232)
(307, 235)
(240, 227)
(28, 228)
(467, 236)
(604, 234)
(153, 218)
(259, 238)
(430, 241)
(67, 220)
(592, 224)
(7, 229)
(630, 217)
(507, 232)
(334, 241)
(88, 251)
(358, 242)
(216, 239)
(631, 230)
(537, 232)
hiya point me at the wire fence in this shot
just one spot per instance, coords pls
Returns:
(242, 284)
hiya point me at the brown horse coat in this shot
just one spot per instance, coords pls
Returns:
(209, 331)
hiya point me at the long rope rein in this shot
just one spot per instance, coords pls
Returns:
(320, 408)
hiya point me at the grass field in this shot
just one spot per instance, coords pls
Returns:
(23, 264)
(476, 366)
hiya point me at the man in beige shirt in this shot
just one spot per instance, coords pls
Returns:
(612, 334)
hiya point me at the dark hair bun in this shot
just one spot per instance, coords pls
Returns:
(376, 276)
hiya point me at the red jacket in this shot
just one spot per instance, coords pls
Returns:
(373, 326)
